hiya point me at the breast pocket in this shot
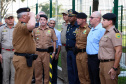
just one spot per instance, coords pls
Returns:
(37, 37)
(4, 35)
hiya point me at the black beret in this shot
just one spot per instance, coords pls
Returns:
(72, 12)
(81, 15)
(44, 16)
(109, 16)
(20, 10)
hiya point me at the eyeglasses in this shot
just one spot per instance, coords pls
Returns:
(52, 23)
(93, 17)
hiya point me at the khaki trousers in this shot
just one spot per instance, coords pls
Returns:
(8, 68)
(82, 67)
(104, 76)
(42, 62)
(64, 65)
(23, 73)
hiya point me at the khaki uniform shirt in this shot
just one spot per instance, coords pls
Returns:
(6, 36)
(44, 38)
(107, 44)
(81, 36)
(22, 39)
(63, 33)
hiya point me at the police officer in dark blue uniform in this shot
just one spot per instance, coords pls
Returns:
(70, 47)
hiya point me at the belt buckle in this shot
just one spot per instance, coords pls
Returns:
(82, 50)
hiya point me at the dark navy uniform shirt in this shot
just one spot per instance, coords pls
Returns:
(71, 35)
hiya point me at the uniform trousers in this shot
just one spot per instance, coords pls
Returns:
(42, 62)
(72, 68)
(104, 76)
(93, 67)
(8, 68)
(23, 73)
(82, 67)
(1, 75)
(64, 64)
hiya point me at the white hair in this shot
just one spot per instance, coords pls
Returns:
(42, 13)
(19, 15)
(53, 19)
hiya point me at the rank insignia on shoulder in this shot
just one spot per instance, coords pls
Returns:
(118, 35)
(84, 32)
(116, 30)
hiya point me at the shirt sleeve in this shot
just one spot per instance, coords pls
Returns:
(59, 39)
(1, 28)
(54, 38)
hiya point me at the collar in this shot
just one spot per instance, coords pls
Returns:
(85, 26)
(9, 27)
(97, 27)
(75, 24)
(111, 28)
(47, 27)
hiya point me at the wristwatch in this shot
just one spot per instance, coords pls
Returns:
(54, 52)
(115, 69)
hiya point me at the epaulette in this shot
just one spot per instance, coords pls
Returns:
(89, 27)
(50, 27)
(116, 30)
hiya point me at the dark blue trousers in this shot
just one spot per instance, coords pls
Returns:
(54, 71)
(93, 67)
(72, 68)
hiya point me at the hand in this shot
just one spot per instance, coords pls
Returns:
(57, 56)
(31, 14)
(112, 73)
(0, 58)
(53, 55)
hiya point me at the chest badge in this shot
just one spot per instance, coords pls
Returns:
(118, 35)
(84, 32)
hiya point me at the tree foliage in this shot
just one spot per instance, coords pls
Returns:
(4, 6)
(45, 7)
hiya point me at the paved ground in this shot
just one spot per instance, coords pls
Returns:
(59, 81)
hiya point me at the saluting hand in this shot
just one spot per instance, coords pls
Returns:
(0, 58)
(31, 14)
(112, 73)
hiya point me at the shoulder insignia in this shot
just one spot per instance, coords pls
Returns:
(116, 30)
(118, 35)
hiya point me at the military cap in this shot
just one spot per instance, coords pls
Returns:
(81, 15)
(44, 16)
(109, 16)
(72, 12)
(20, 10)
(65, 12)
(9, 15)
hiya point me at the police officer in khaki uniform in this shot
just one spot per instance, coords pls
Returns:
(24, 46)
(81, 41)
(110, 51)
(7, 53)
(63, 50)
(43, 36)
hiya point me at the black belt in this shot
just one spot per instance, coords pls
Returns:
(41, 50)
(92, 55)
(107, 60)
(29, 57)
(81, 50)
(69, 48)
(21, 54)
